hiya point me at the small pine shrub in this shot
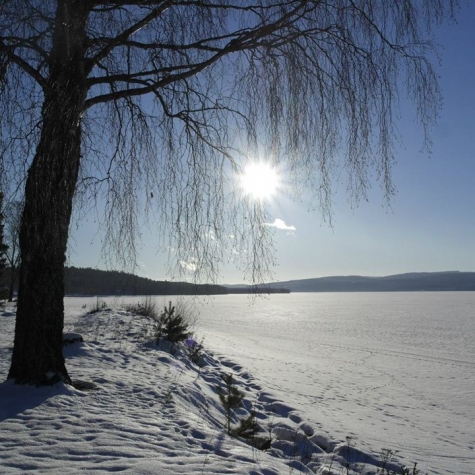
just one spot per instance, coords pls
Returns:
(194, 350)
(387, 457)
(247, 428)
(230, 397)
(409, 471)
(171, 326)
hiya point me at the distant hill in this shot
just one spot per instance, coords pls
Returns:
(79, 281)
(415, 281)
(87, 281)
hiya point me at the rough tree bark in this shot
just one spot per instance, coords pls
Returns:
(51, 183)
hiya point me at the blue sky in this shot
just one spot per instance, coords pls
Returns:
(431, 223)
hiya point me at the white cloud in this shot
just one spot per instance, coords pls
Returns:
(191, 266)
(280, 224)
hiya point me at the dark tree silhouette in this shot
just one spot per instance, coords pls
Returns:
(12, 217)
(155, 105)
(3, 246)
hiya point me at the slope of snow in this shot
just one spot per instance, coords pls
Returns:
(152, 411)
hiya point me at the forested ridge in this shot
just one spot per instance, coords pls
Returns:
(87, 281)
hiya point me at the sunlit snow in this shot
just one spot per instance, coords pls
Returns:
(151, 412)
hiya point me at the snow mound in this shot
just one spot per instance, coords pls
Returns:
(137, 409)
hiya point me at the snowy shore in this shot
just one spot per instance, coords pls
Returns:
(153, 412)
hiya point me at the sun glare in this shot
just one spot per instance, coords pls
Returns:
(260, 180)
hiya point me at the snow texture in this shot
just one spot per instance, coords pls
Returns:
(142, 410)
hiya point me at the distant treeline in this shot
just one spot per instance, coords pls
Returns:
(87, 281)
(79, 281)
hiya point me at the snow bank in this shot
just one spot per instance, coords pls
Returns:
(149, 411)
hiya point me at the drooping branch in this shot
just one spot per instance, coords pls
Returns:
(185, 92)
(34, 73)
(126, 34)
(153, 79)
(307, 81)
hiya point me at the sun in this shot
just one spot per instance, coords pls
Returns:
(260, 180)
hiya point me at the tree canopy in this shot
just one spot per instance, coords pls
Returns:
(181, 94)
(156, 105)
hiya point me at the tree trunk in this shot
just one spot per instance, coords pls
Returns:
(38, 347)
(13, 276)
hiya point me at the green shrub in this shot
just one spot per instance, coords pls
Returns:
(247, 428)
(387, 457)
(194, 350)
(409, 471)
(171, 326)
(230, 397)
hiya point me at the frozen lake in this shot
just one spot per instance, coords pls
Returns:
(392, 370)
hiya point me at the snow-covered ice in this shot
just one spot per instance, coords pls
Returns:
(392, 370)
(151, 412)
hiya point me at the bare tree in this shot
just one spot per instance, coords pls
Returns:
(12, 216)
(3, 246)
(154, 105)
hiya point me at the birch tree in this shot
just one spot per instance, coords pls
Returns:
(157, 105)
(12, 215)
